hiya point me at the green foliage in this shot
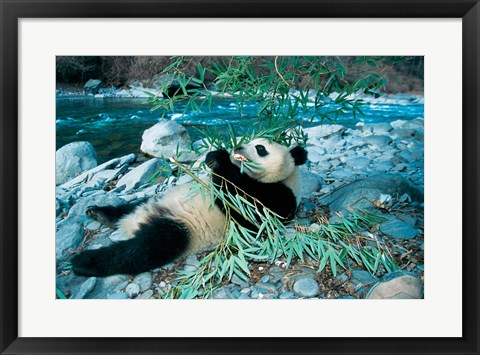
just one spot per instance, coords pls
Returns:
(333, 245)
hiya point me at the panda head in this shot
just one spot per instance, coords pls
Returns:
(277, 161)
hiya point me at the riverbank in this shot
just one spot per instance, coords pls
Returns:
(377, 167)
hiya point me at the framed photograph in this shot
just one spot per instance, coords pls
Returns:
(239, 177)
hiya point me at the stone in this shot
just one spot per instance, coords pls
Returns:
(378, 128)
(399, 229)
(132, 289)
(94, 225)
(362, 277)
(86, 288)
(397, 285)
(69, 237)
(378, 140)
(358, 194)
(238, 281)
(165, 138)
(311, 182)
(145, 296)
(73, 159)
(358, 163)
(118, 296)
(143, 173)
(118, 236)
(306, 287)
(107, 286)
(265, 287)
(265, 278)
(325, 131)
(222, 293)
(286, 295)
(89, 174)
(144, 281)
(92, 86)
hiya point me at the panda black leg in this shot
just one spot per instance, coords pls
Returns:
(109, 215)
(156, 243)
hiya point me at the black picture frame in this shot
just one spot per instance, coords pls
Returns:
(12, 11)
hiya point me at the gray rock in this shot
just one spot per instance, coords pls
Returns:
(118, 296)
(306, 287)
(265, 287)
(143, 173)
(144, 281)
(69, 237)
(86, 288)
(92, 86)
(132, 289)
(73, 159)
(397, 285)
(118, 236)
(89, 174)
(378, 128)
(358, 194)
(286, 295)
(145, 296)
(383, 166)
(191, 264)
(405, 132)
(399, 229)
(163, 139)
(238, 281)
(358, 163)
(362, 277)
(343, 175)
(265, 278)
(109, 285)
(222, 293)
(94, 225)
(311, 182)
(325, 131)
(380, 141)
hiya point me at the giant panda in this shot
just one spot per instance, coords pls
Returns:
(175, 224)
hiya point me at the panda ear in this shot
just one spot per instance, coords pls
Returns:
(299, 155)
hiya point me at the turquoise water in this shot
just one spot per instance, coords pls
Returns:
(115, 125)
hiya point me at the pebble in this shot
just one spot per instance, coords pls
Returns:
(162, 284)
(265, 278)
(144, 281)
(132, 290)
(306, 287)
(93, 225)
(287, 295)
(222, 293)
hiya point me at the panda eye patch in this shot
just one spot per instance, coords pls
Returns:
(261, 150)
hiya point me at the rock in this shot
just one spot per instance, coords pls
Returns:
(69, 237)
(92, 86)
(287, 295)
(378, 128)
(397, 285)
(191, 264)
(144, 281)
(381, 141)
(238, 281)
(405, 132)
(73, 159)
(358, 194)
(145, 296)
(265, 278)
(94, 225)
(306, 287)
(358, 163)
(311, 182)
(163, 139)
(362, 277)
(222, 293)
(107, 286)
(118, 236)
(398, 229)
(118, 296)
(143, 173)
(88, 175)
(86, 288)
(325, 131)
(265, 287)
(132, 290)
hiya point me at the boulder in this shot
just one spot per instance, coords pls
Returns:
(143, 173)
(164, 139)
(325, 131)
(397, 285)
(311, 182)
(73, 159)
(92, 86)
(360, 193)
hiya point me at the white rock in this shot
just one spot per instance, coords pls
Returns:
(73, 159)
(142, 174)
(163, 139)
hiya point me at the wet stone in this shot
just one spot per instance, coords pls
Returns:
(306, 287)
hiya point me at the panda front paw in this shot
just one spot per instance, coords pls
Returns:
(217, 159)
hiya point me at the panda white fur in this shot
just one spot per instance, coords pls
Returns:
(175, 224)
